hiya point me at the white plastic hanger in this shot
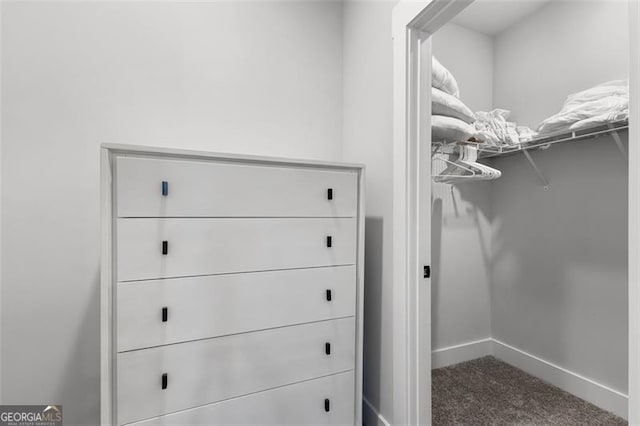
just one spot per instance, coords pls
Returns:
(466, 167)
(469, 157)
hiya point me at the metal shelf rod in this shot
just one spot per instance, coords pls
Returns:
(548, 140)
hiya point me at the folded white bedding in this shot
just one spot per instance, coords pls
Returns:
(442, 79)
(599, 120)
(449, 129)
(598, 105)
(604, 90)
(493, 128)
(443, 103)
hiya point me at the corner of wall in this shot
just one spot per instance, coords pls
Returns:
(491, 250)
(342, 6)
(345, 4)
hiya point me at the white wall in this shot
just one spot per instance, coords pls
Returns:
(368, 139)
(461, 214)
(562, 48)
(560, 257)
(244, 77)
(559, 287)
(468, 54)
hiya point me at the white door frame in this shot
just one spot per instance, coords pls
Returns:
(413, 23)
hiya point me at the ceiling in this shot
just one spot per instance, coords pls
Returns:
(494, 16)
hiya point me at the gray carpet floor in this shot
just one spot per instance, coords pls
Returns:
(487, 391)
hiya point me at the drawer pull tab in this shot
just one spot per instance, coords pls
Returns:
(329, 242)
(165, 314)
(165, 380)
(165, 188)
(165, 247)
(327, 405)
(328, 295)
(327, 348)
(330, 194)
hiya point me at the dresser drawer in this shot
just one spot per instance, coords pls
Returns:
(199, 188)
(211, 370)
(213, 246)
(297, 404)
(153, 313)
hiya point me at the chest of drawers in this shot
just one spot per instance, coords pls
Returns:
(231, 289)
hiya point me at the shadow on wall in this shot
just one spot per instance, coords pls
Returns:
(481, 207)
(457, 206)
(373, 299)
(80, 379)
(436, 259)
(461, 260)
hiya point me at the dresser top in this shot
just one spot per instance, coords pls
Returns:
(158, 152)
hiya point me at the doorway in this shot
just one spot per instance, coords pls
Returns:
(414, 28)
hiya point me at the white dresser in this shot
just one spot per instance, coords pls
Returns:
(231, 289)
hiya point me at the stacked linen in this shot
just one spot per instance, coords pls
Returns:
(493, 128)
(442, 79)
(598, 105)
(451, 119)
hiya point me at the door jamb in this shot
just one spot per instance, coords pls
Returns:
(413, 22)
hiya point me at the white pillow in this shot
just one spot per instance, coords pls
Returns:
(442, 79)
(449, 129)
(606, 99)
(445, 104)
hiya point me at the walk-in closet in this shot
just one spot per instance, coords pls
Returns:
(529, 213)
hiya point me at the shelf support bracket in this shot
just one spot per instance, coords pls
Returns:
(618, 141)
(544, 181)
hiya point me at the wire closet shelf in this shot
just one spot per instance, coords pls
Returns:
(545, 141)
(540, 142)
(441, 149)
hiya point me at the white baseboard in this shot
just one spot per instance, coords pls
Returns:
(371, 416)
(583, 387)
(460, 353)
